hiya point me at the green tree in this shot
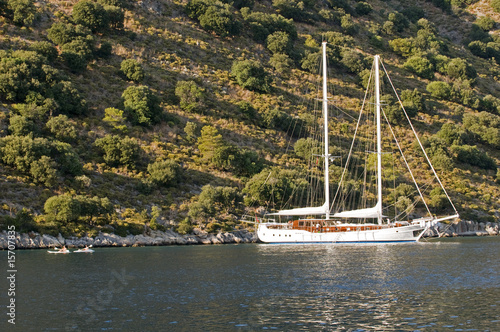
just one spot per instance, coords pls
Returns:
(142, 105)
(279, 42)
(114, 117)
(62, 208)
(216, 202)
(68, 98)
(486, 23)
(305, 148)
(473, 156)
(281, 63)
(348, 25)
(209, 141)
(164, 173)
(132, 70)
(77, 53)
(440, 90)
(45, 48)
(363, 8)
(191, 96)
(420, 66)
(251, 75)
(21, 126)
(23, 11)
(62, 33)
(459, 69)
(62, 128)
(118, 151)
(90, 14)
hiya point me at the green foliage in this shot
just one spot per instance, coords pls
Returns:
(348, 25)
(363, 8)
(142, 105)
(402, 46)
(484, 126)
(62, 33)
(420, 66)
(114, 17)
(164, 173)
(35, 157)
(21, 126)
(191, 96)
(413, 13)
(281, 63)
(192, 131)
(278, 119)
(263, 24)
(453, 134)
(66, 208)
(293, 9)
(90, 14)
(459, 69)
(77, 53)
(413, 101)
(114, 118)
(45, 48)
(251, 75)
(213, 16)
(495, 4)
(279, 42)
(216, 202)
(118, 151)
(486, 23)
(61, 128)
(394, 112)
(105, 50)
(132, 70)
(471, 155)
(399, 20)
(209, 141)
(68, 98)
(353, 61)
(305, 148)
(440, 90)
(21, 12)
(184, 227)
(270, 187)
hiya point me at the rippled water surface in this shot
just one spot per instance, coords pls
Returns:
(445, 285)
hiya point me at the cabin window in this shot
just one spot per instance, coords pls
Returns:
(301, 223)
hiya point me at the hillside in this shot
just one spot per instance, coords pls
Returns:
(90, 142)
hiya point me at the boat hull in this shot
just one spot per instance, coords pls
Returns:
(410, 233)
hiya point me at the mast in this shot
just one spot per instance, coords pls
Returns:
(379, 141)
(325, 125)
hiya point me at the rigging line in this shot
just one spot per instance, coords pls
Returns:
(420, 143)
(353, 141)
(406, 163)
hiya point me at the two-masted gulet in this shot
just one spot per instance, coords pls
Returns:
(335, 227)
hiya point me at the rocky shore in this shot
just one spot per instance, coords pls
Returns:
(157, 238)
(154, 238)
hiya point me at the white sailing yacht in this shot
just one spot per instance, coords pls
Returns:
(338, 226)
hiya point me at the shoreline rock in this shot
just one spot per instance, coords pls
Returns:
(34, 240)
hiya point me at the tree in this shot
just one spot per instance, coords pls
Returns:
(62, 208)
(348, 25)
(118, 151)
(62, 33)
(90, 14)
(132, 70)
(45, 48)
(281, 63)
(305, 148)
(216, 202)
(420, 66)
(251, 75)
(413, 101)
(209, 141)
(62, 128)
(191, 96)
(279, 42)
(439, 90)
(353, 61)
(68, 98)
(363, 8)
(142, 105)
(164, 173)
(114, 117)
(23, 11)
(473, 156)
(459, 69)
(77, 53)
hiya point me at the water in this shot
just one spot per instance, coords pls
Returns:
(445, 285)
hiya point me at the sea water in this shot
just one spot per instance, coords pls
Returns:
(443, 285)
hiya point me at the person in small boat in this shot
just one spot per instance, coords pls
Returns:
(63, 249)
(86, 248)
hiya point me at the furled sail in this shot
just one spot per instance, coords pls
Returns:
(317, 210)
(372, 212)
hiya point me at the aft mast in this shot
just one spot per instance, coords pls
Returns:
(325, 125)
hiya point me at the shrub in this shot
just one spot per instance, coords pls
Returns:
(305, 148)
(453, 134)
(486, 23)
(142, 105)
(164, 173)
(68, 98)
(114, 117)
(459, 69)
(191, 96)
(281, 63)
(45, 48)
(353, 61)
(399, 20)
(118, 151)
(251, 75)
(61, 128)
(348, 25)
(473, 156)
(209, 141)
(439, 90)
(62, 33)
(132, 70)
(495, 4)
(90, 14)
(22, 12)
(402, 46)
(363, 8)
(420, 66)
(216, 202)
(413, 101)
(279, 42)
(21, 126)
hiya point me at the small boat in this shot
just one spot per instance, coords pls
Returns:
(369, 220)
(88, 250)
(59, 251)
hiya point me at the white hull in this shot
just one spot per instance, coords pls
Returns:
(410, 233)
